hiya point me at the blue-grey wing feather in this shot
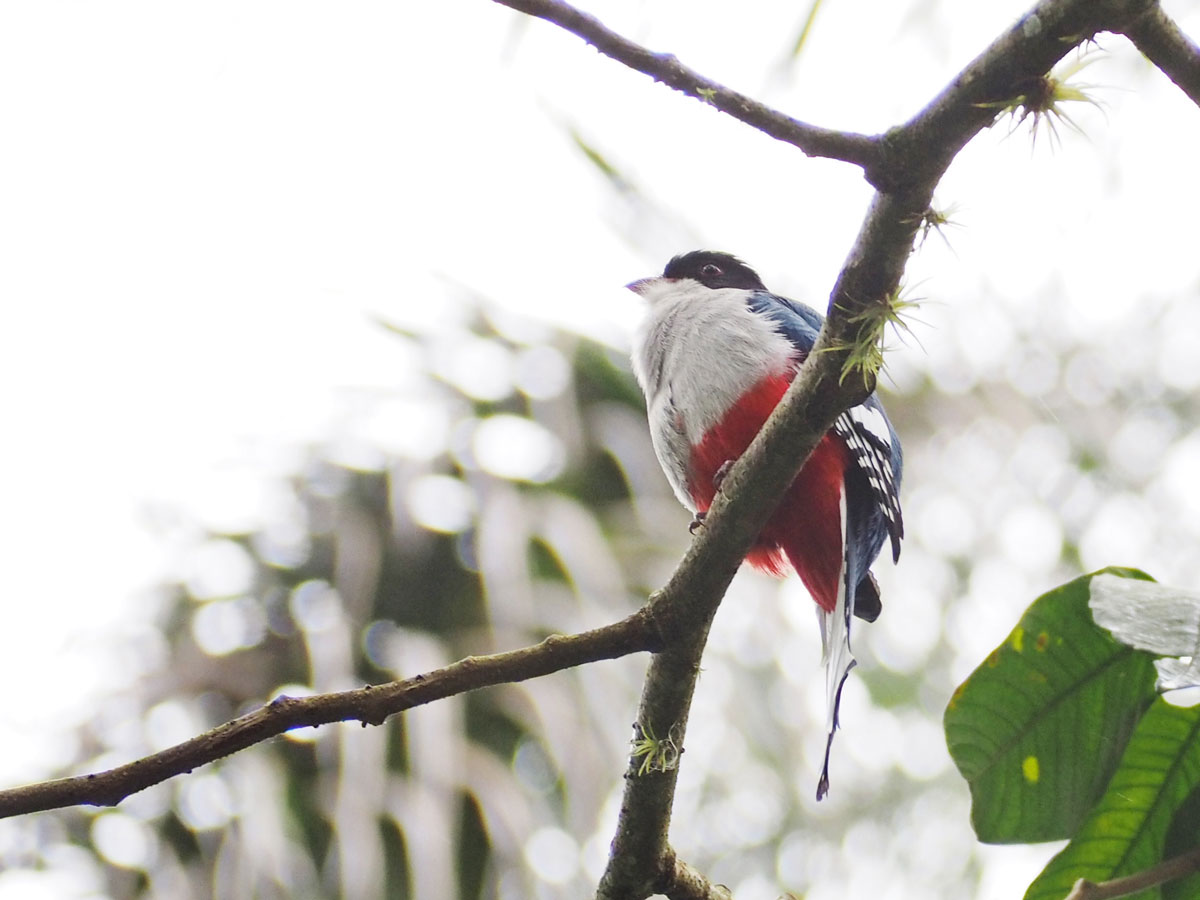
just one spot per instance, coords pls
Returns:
(874, 496)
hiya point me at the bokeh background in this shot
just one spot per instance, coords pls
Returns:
(314, 374)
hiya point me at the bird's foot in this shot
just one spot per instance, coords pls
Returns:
(697, 522)
(722, 471)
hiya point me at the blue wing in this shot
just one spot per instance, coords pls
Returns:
(872, 493)
(873, 504)
(873, 488)
(798, 323)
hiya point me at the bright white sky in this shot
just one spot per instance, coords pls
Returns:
(202, 208)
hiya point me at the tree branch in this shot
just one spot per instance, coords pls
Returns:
(1167, 870)
(1160, 40)
(682, 882)
(862, 150)
(371, 705)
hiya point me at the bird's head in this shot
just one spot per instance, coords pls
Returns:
(710, 268)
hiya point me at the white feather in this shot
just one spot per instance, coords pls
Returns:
(835, 654)
(697, 351)
(871, 419)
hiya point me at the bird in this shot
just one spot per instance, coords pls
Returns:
(715, 353)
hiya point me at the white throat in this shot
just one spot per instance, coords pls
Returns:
(696, 353)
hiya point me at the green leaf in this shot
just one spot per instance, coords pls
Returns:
(1037, 730)
(1127, 830)
(1182, 839)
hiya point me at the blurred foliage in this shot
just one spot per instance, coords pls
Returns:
(509, 514)
(508, 490)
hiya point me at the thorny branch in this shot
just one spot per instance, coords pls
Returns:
(905, 165)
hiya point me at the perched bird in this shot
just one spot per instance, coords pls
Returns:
(715, 354)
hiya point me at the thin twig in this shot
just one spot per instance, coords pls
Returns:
(1167, 870)
(859, 149)
(371, 705)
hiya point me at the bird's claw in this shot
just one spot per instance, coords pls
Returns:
(719, 475)
(697, 522)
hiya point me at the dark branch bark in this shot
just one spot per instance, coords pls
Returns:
(920, 150)
(371, 705)
(859, 149)
(1161, 42)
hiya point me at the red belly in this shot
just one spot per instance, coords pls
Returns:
(806, 527)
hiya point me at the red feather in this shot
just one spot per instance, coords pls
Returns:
(806, 528)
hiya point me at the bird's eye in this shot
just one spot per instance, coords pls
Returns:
(711, 270)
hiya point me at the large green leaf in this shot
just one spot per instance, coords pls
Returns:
(1038, 728)
(1182, 839)
(1127, 830)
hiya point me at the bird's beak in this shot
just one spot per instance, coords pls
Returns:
(639, 286)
